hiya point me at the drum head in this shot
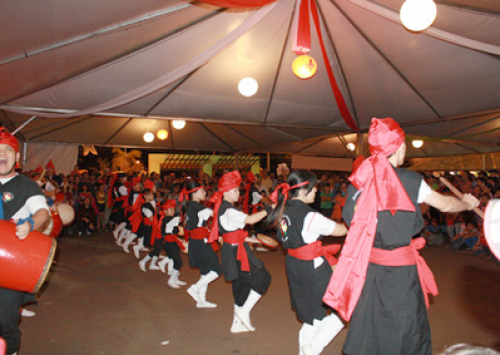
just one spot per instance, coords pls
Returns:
(67, 213)
(267, 241)
(492, 226)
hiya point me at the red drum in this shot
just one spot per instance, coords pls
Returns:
(55, 224)
(492, 226)
(24, 263)
(67, 213)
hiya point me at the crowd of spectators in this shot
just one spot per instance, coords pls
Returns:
(87, 192)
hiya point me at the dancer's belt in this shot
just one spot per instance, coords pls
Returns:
(199, 233)
(406, 256)
(314, 250)
(238, 237)
(174, 238)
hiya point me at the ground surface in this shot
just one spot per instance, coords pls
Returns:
(96, 301)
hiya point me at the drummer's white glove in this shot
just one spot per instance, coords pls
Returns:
(471, 200)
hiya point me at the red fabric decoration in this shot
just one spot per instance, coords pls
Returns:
(238, 4)
(303, 29)
(227, 182)
(9, 139)
(346, 115)
(381, 191)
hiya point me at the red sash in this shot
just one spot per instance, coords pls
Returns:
(201, 233)
(316, 249)
(238, 237)
(174, 238)
(408, 256)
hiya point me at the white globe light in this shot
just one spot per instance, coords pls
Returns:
(417, 143)
(178, 124)
(417, 15)
(149, 137)
(351, 146)
(248, 86)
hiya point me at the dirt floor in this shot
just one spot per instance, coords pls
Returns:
(96, 301)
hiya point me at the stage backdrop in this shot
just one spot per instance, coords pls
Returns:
(64, 156)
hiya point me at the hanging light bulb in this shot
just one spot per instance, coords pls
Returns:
(179, 124)
(304, 66)
(418, 15)
(148, 137)
(248, 86)
(351, 146)
(162, 134)
(417, 143)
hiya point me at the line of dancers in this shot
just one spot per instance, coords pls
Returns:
(155, 228)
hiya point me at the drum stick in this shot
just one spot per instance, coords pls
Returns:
(459, 195)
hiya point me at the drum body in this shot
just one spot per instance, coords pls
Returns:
(55, 224)
(24, 263)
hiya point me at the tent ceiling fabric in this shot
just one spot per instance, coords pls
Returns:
(61, 57)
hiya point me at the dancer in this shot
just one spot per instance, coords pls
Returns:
(250, 279)
(380, 279)
(201, 254)
(148, 231)
(300, 230)
(133, 213)
(170, 229)
(117, 195)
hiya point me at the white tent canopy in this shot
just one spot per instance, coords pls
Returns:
(105, 73)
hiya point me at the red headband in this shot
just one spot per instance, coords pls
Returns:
(284, 190)
(9, 139)
(149, 185)
(385, 136)
(184, 194)
(169, 204)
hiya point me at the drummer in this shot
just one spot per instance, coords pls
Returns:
(23, 202)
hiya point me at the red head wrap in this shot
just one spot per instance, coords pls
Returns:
(169, 204)
(149, 185)
(381, 190)
(9, 139)
(136, 180)
(227, 182)
(50, 164)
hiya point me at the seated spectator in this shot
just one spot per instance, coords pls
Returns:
(469, 237)
(86, 218)
(432, 233)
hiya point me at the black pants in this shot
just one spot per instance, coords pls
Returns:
(257, 279)
(10, 306)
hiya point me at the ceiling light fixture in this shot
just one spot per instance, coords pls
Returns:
(162, 134)
(248, 86)
(418, 15)
(304, 67)
(179, 124)
(148, 137)
(417, 143)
